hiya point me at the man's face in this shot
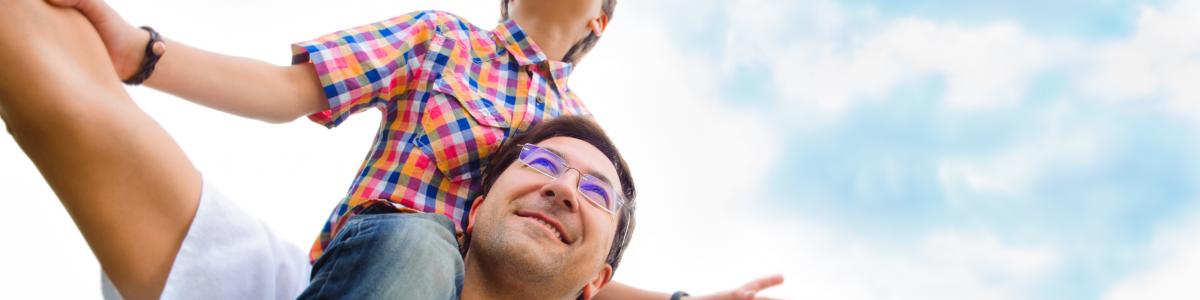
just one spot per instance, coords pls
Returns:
(542, 230)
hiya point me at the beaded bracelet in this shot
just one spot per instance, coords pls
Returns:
(149, 61)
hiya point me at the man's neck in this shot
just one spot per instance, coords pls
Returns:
(479, 284)
(553, 37)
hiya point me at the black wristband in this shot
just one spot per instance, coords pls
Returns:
(149, 61)
(679, 295)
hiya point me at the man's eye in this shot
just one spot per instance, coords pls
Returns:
(596, 193)
(545, 165)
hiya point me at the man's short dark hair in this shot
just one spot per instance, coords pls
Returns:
(582, 128)
(583, 45)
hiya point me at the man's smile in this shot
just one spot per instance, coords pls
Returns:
(552, 226)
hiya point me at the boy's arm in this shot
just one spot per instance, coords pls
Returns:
(617, 290)
(240, 86)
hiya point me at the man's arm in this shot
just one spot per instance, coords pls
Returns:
(748, 291)
(128, 187)
(240, 86)
(617, 290)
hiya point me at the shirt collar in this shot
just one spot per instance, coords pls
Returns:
(527, 53)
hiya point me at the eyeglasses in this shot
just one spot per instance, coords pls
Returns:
(599, 192)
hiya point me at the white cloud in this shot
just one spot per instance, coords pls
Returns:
(957, 265)
(825, 58)
(986, 256)
(1172, 269)
(1012, 172)
(1160, 60)
(982, 68)
(757, 27)
(1061, 143)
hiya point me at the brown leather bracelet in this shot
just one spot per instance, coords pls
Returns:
(149, 61)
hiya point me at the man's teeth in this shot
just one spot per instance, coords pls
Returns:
(557, 234)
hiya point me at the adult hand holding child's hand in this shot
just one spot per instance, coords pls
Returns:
(125, 43)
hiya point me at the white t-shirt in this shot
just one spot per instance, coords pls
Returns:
(228, 254)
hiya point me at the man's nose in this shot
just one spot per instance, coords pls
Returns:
(562, 190)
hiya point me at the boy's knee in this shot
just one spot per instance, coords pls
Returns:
(410, 256)
(413, 232)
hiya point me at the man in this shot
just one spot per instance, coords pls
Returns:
(536, 233)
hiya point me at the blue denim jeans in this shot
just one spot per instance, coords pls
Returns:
(382, 254)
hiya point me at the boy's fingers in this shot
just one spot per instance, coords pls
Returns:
(95, 10)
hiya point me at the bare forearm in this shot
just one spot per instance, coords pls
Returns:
(619, 291)
(747, 291)
(237, 85)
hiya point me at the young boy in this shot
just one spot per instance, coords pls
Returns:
(450, 93)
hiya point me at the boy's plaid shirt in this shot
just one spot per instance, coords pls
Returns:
(450, 93)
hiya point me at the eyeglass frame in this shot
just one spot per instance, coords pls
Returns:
(561, 162)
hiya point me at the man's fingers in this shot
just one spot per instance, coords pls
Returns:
(749, 290)
(63, 3)
(763, 283)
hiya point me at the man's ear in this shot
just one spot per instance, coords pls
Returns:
(602, 278)
(598, 24)
(474, 209)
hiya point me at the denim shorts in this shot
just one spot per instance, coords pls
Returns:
(385, 254)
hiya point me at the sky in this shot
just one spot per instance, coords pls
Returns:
(920, 149)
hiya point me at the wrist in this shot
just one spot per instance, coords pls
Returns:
(152, 52)
(131, 50)
(679, 295)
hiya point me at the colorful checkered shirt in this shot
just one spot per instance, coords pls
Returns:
(450, 93)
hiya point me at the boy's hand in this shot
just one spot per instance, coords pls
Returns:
(125, 43)
(749, 291)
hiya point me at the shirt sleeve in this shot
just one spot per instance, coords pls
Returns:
(366, 66)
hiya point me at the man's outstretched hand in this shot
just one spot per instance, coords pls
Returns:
(125, 43)
(749, 291)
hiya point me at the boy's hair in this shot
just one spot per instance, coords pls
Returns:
(577, 127)
(582, 46)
